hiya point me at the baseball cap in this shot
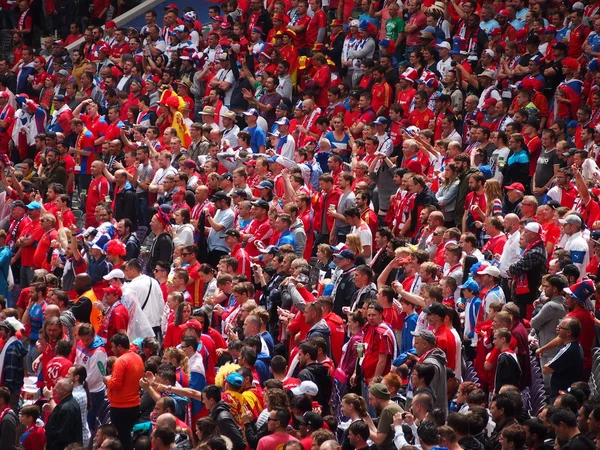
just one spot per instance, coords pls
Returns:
(265, 184)
(312, 419)
(18, 204)
(239, 193)
(235, 379)
(223, 57)
(533, 227)
(437, 309)
(426, 335)
(189, 164)
(489, 102)
(571, 151)
(251, 112)
(283, 121)
(595, 236)
(34, 205)
(381, 121)
(345, 254)
(571, 219)
(115, 273)
(260, 203)
(503, 12)
(231, 232)
(489, 270)
(445, 45)
(219, 196)
(12, 324)
(515, 186)
(471, 285)
(192, 323)
(113, 290)
(578, 5)
(560, 46)
(306, 387)
(59, 98)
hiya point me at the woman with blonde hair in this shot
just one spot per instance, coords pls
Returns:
(493, 197)
(354, 244)
(177, 357)
(355, 408)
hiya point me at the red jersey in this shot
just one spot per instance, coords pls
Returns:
(34, 438)
(260, 231)
(301, 35)
(421, 119)
(97, 126)
(474, 199)
(576, 38)
(318, 21)
(58, 367)
(117, 51)
(243, 259)
(40, 256)
(495, 244)
(445, 341)
(97, 192)
(379, 340)
(587, 336)
(534, 146)
(116, 319)
(382, 96)
(36, 232)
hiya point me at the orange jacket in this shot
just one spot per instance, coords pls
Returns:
(123, 386)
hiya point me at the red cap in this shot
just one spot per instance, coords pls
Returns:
(251, 162)
(489, 102)
(336, 23)
(192, 323)
(496, 32)
(515, 187)
(172, 6)
(504, 12)
(110, 24)
(113, 290)
(278, 16)
(104, 48)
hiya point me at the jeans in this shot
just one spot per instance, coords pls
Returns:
(97, 399)
(26, 275)
(32, 353)
(143, 210)
(124, 419)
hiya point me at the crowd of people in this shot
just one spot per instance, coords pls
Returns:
(307, 225)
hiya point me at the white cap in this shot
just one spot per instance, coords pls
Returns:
(534, 227)
(490, 270)
(489, 52)
(445, 45)
(115, 273)
(306, 387)
(578, 5)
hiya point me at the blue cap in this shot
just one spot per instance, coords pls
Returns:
(572, 124)
(536, 59)
(594, 65)
(283, 121)
(471, 285)
(328, 289)
(381, 121)
(265, 184)
(59, 97)
(428, 29)
(34, 205)
(272, 159)
(581, 291)
(235, 379)
(346, 254)
(251, 112)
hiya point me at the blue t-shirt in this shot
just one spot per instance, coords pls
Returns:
(342, 145)
(36, 320)
(258, 138)
(410, 324)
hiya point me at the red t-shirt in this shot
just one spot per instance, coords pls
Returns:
(34, 438)
(319, 20)
(301, 38)
(383, 95)
(495, 244)
(587, 335)
(421, 119)
(379, 340)
(58, 367)
(258, 230)
(41, 251)
(97, 192)
(34, 231)
(534, 146)
(445, 340)
(119, 50)
(118, 320)
(474, 199)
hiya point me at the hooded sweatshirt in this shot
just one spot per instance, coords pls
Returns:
(319, 374)
(437, 358)
(321, 329)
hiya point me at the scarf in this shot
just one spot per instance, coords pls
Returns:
(2, 359)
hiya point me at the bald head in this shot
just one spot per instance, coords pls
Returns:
(51, 311)
(167, 420)
(511, 223)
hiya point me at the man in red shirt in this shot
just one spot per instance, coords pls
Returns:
(97, 193)
(58, 367)
(116, 318)
(383, 93)
(317, 27)
(28, 242)
(421, 115)
(120, 47)
(577, 35)
(410, 150)
(195, 286)
(40, 256)
(258, 229)
(436, 313)
(322, 201)
(18, 228)
(299, 24)
(533, 142)
(380, 344)
(475, 204)
(493, 227)
(233, 240)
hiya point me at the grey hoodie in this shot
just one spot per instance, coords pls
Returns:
(546, 321)
(437, 358)
(321, 329)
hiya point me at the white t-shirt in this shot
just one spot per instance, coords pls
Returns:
(366, 237)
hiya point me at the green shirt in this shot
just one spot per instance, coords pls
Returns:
(386, 419)
(393, 27)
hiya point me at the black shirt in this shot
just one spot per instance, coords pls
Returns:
(567, 366)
